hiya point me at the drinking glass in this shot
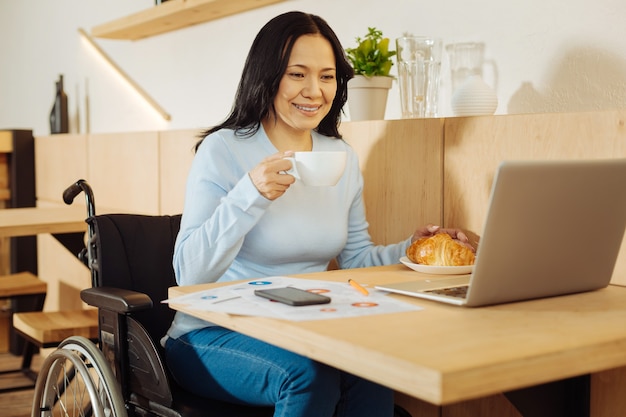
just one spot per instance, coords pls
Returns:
(419, 66)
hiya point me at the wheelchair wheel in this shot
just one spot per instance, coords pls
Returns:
(75, 380)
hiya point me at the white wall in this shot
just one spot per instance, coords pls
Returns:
(551, 55)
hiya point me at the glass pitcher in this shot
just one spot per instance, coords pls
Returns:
(419, 64)
(466, 59)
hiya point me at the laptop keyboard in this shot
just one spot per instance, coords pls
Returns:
(458, 292)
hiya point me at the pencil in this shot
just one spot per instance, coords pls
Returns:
(358, 287)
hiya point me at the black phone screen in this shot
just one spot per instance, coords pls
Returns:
(293, 296)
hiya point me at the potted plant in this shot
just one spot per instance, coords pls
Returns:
(368, 90)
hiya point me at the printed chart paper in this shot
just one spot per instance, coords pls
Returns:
(346, 301)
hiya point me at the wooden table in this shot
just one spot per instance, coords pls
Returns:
(444, 354)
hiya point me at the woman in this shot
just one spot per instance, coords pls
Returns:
(244, 217)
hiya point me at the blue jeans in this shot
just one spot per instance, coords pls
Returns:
(218, 363)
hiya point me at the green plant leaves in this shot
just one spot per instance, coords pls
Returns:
(372, 55)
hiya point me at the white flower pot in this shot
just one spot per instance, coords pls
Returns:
(367, 97)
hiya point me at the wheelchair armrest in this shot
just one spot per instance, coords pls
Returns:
(118, 300)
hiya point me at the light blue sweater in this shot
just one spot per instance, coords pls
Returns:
(230, 232)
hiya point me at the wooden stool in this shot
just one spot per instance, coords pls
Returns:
(23, 286)
(45, 329)
(49, 328)
(42, 329)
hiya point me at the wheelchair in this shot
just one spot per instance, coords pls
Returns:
(124, 374)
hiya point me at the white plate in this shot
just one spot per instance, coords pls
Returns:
(438, 270)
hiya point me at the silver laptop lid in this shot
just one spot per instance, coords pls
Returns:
(553, 227)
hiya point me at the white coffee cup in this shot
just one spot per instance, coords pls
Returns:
(323, 168)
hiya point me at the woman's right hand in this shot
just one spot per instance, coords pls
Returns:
(269, 178)
(431, 230)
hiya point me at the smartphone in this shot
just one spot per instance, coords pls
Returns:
(293, 296)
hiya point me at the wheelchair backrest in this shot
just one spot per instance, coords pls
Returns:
(135, 252)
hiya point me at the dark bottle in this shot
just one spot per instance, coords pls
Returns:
(59, 119)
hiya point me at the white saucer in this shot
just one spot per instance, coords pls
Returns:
(438, 270)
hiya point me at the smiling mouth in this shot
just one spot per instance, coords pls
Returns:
(307, 108)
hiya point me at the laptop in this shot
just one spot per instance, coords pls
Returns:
(552, 228)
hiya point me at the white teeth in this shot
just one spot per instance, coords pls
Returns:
(304, 108)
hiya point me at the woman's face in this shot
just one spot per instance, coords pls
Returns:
(308, 87)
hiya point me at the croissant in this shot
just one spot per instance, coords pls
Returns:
(440, 250)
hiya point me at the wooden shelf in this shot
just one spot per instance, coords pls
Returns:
(173, 15)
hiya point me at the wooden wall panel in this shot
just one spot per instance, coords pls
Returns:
(61, 269)
(401, 161)
(607, 393)
(176, 154)
(6, 146)
(494, 405)
(6, 139)
(396, 203)
(65, 274)
(474, 146)
(5, 327)
(5, 191)
(124, 171)
(60, 160)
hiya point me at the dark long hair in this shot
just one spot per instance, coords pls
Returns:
(265, 67)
